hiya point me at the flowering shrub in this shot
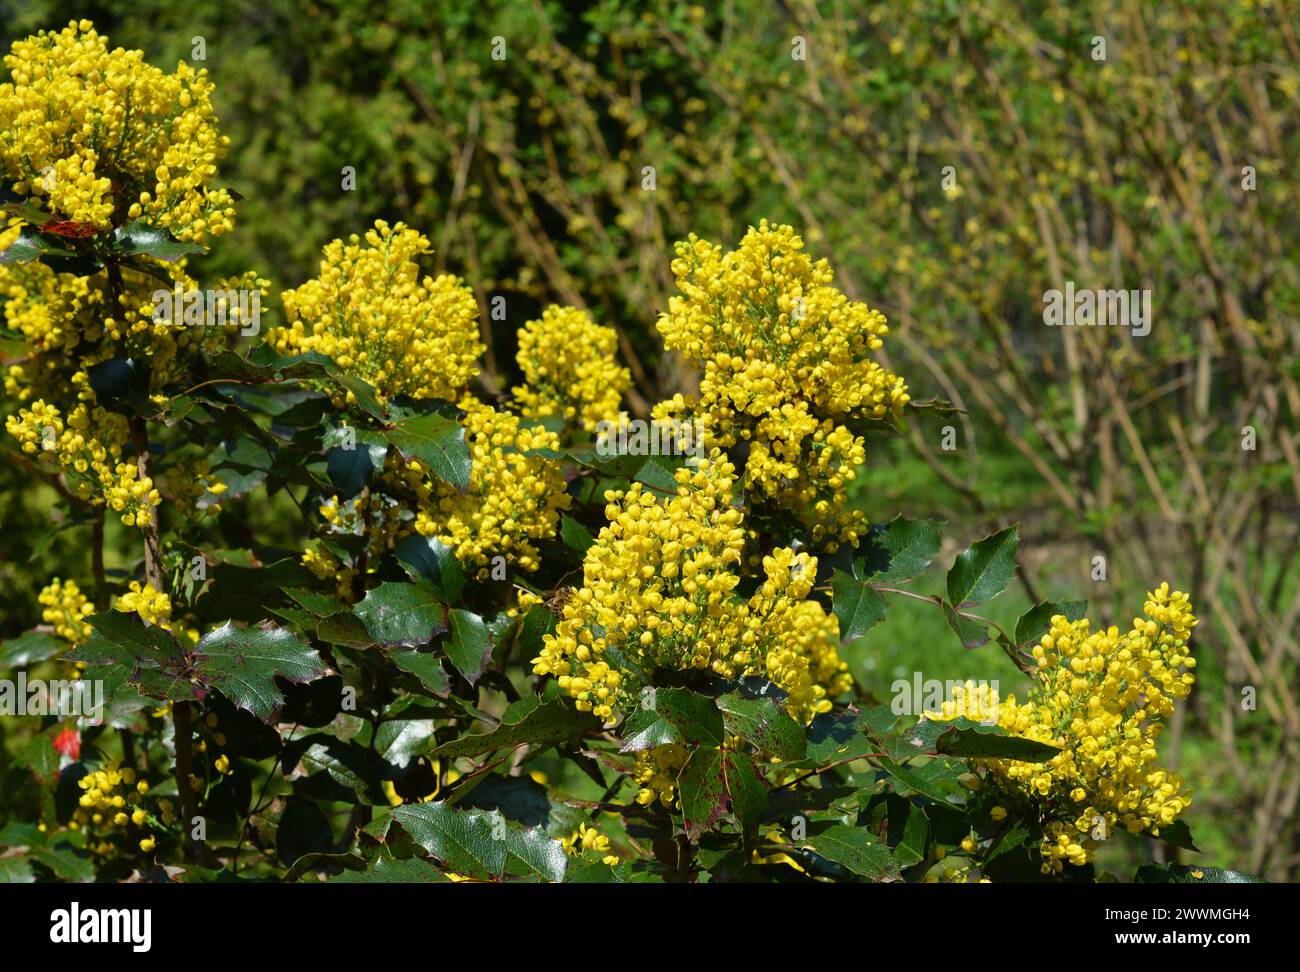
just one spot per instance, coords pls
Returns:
(374, 619)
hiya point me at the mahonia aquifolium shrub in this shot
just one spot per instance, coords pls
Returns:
(473, 620)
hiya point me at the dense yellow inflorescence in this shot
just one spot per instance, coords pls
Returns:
(66, 608)
(1103, 698)
(87, 446)
(371, 312)
(658, 592)
(513, 498)
(98, 136)
(571, 370)
(787, 364)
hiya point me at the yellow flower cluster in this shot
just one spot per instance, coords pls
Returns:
(66, 608)
(98, 136)
(786, 361)
(1102, 697)
(87, 446)
(570, 367)
(371, 312)
(658, 592)
(587, 838)
(513, 497)
(113, 800)
(154, 607)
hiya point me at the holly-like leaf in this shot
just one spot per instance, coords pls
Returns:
(396, 613)
(425, 666)
(856, 605)
(434, 563)
(465, 841)
(685, 716)
(856, 849)
(530, 721)
(968, 739)
(899, 550)
(30, 246)
(703, 791)
(242, 663)
(470, 646)
(139, 237)
(983, 571)
(746, 794)
(1035, 622)
(438, 443)
(764, 723)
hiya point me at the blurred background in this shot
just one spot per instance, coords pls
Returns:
(954, 161)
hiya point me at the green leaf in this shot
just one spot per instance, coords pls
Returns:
(1035, 622)
(703, 791)
(397, 613)
(972, 633)
(984, 570)
(856, 605)
(968, 739)
(350, 470)
(528, 721)
(432, 561)
(899, 550)
(695, 718)
(386, 870)
(1187, 874)
(465, 841)
(28, 647)
(32, 245)
(438, 443)
(150, 657)
(152, 241)
(856, 849)
(242, 663)
(469, 647)
(1180, 835)
(764, 723)
(575, 535)
(424, 666)
(936, 780)
(534, 851)
(746, 794)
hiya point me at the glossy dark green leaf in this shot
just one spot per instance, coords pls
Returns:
(396, 613)
(856, 849)
(243, 663)
(764, 723)
(469, 647)
(430, 560)
(425, 666)
(703, 791)
(139, 237)
(529, 721)
(856, 605)
(899, 550)
(983, 571)
(438, 443)
(1034, 623)
(469, 842)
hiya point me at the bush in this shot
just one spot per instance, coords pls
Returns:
(351, 611)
